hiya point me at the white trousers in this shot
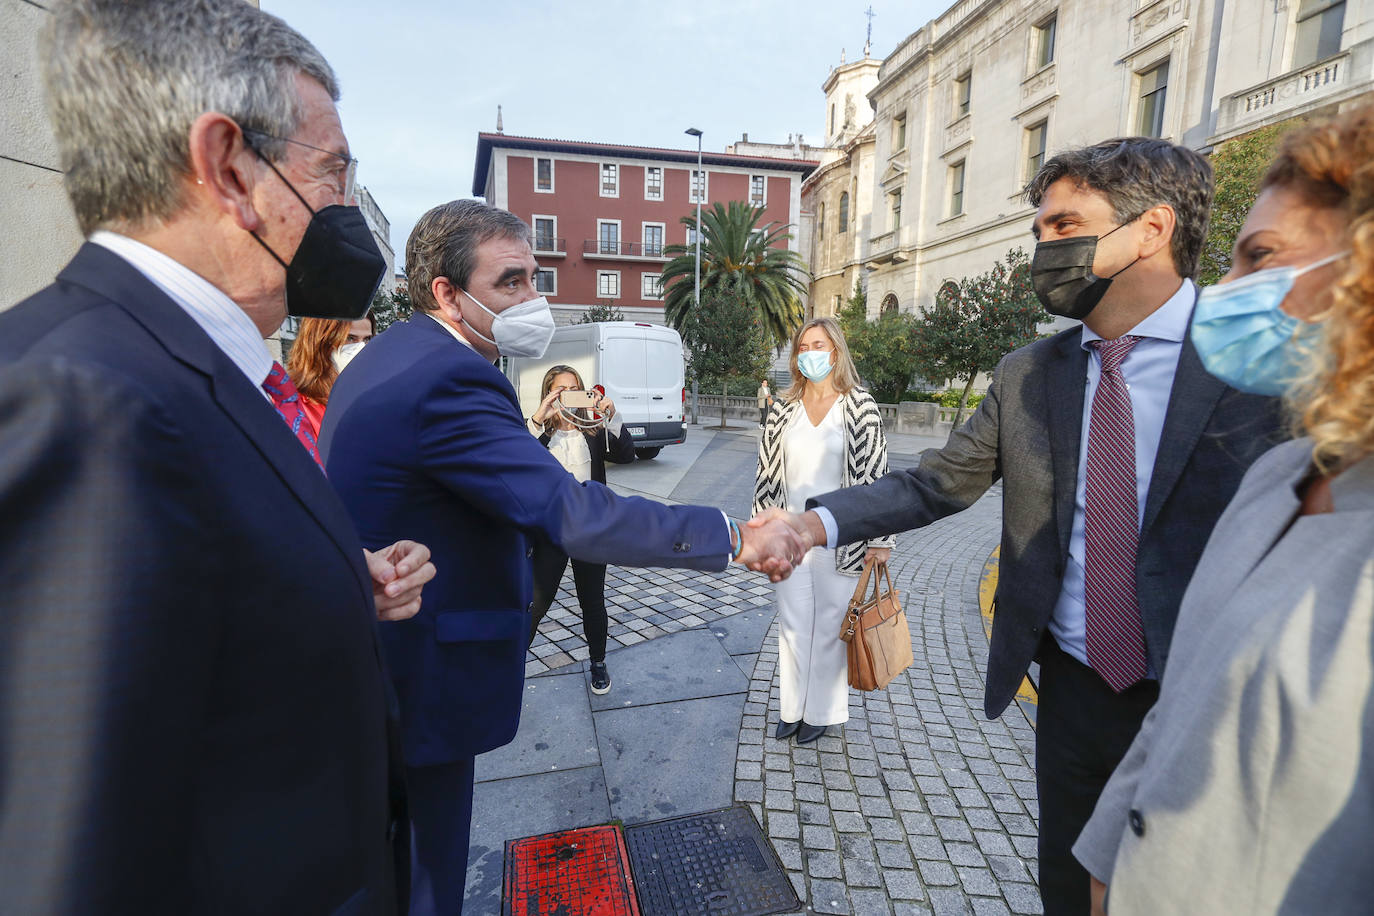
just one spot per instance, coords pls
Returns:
(813, 670)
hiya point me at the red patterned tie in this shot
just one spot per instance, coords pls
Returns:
(1115, 640)
(287, 400)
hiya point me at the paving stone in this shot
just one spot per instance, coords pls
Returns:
(815, 814)
(1023, 898)
(849, 822)
(776, 780)
(978, 881)
(937, 873)
(945, 902)
(915, 822)
(982, 819)
(747, 769)
(893, 855)
(898, 782)
(844, 801)
(1019, 825)
(857, 846)
(989, 906)
(778, 800)
(783, 824)
(904, 885)
(789, 853)
(810, 791)
(1026, 847)
(994, 844)
(815, 836)
(928, 847)
(953, 829)
(902, 908)
(823, 864)
(862, 873)
(1008, 868)
(965, 854)
(1006, 804)
(748, 791)
(829, 897)
(869, 902)
(885, 828)
(875, 807)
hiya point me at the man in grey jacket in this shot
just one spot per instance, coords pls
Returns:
(1117, 454)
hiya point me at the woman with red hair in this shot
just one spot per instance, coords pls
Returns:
(323, 347)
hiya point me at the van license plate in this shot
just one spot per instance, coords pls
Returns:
(636, 430)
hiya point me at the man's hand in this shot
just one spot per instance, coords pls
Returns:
(772, 547)
(1098, 895)
(398, 573)
(808, 524)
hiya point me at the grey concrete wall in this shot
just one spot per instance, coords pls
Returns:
(39, 231)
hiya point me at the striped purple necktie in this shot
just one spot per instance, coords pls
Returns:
(1115, 639)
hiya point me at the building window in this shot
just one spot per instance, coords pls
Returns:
(651, 286)
(1035, 148)
(956, 188)
(963, 94)
(896, 200)
(699, 187)
(832, 119)
(543, 174)
(899, 133)
(835, 303)
(844, 211)
(608, 236)
(889, 304)
(820, 221)
(1154, 86)
(653, 182)
(608, 284)
(653, 240)
(1319, 31)
(546, 281)
(610, 179)
(691, 237)
(545, 233)
(1042, 43)
(757, 190)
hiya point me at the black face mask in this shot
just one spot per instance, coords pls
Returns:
(337, 268)
(1062, 274)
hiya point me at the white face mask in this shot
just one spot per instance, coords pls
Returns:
(524, 329)
(344, 355)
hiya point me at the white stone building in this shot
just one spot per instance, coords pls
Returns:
(968, 106)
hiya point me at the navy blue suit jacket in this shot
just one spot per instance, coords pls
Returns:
(423, 438)
(193, 711)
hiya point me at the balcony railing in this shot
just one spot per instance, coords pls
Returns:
(544, 244)
(610, 248)
(1278, 97)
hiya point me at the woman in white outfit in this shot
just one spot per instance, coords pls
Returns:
(826, 434)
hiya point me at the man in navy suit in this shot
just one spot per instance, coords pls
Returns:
(424, 435)
(194, 716)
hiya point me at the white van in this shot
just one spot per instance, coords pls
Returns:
(640, 365)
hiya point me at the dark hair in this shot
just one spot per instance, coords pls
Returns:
(1135, 174)
(444, 244)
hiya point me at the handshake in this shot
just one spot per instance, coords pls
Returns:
(774, 541)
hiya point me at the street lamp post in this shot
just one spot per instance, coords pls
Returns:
(698, 188)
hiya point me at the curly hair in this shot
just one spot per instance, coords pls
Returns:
(309, 364)
(1331, 164)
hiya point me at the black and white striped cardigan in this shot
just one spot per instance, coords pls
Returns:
(865, 460)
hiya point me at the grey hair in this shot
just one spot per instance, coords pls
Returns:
(444, 244)
(1135, 174)
(126, 79)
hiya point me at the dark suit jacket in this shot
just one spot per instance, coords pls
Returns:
(193, 714)
(1027, 433)
(424, 436)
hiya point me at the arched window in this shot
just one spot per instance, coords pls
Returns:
(820, 222)
(844, 211)
(889, 303)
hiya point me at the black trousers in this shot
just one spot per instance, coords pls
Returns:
(1083, 728)
(441, 819)
(590, 582)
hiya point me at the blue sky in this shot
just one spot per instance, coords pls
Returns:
(420, 79)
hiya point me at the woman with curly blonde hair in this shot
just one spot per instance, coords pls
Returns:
(1250, 786)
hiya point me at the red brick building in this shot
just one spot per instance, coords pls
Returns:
(602, 214)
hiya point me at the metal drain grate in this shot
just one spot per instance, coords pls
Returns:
(716, 863)
(581, 872)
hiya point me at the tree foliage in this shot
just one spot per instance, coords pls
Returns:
(724, 340)
(1238, 165)
(601, 311)
(976, 321)
(387, 309)
(883, 349)
(739, 255)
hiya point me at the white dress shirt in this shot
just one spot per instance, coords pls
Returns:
(1148, 371)
(219, 316)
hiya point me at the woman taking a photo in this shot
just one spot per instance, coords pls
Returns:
(582, 446)
(323, 347)
(827, 434)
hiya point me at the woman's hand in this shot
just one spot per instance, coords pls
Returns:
(878, 554)
(546, 408)
(604, 406)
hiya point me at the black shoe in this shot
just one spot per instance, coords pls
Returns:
(786, 730)
(601, 679)
(808, 733)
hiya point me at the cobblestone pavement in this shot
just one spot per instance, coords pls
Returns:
(919, 804)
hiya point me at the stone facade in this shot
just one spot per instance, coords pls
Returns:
(968, 105)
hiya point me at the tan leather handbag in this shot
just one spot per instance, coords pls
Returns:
(876, 632)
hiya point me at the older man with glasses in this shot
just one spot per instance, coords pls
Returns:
(193, 712)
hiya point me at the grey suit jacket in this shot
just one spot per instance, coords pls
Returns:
(1026, 432)
(1251, 784)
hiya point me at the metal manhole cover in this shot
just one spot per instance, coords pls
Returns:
(716, 863)
(580, 872)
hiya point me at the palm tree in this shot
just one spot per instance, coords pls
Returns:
(739, 257)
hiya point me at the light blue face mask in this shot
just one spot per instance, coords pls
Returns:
(1245, 339)
(814, 364)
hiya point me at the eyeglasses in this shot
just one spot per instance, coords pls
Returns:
(350, 165)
